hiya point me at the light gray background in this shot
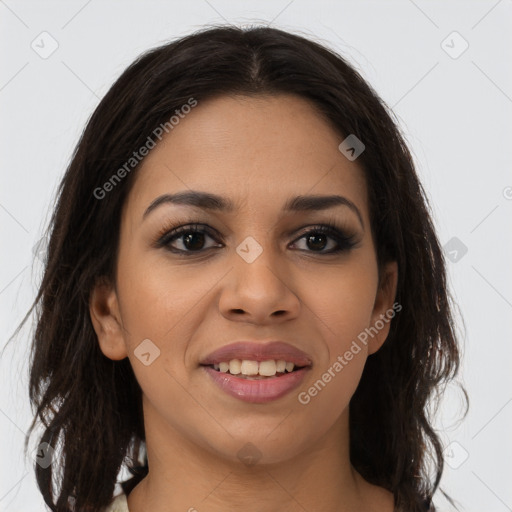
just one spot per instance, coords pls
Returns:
(455, 113)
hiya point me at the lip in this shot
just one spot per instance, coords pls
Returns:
(257, 391)
(253, 351)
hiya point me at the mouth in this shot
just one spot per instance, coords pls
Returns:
(255, 372)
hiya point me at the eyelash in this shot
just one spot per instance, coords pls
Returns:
(169, 234)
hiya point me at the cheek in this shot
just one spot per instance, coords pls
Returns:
(161, 300)
(343, 301)
(324, 403)
(171, 400)
(164, 304)
(342, 305)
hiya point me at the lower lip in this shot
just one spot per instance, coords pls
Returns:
(257, 391)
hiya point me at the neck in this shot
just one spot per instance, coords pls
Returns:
(186, 477)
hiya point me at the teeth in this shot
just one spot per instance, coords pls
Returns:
(280, 366)
(235, 366)
(268, 368)
(249, 368)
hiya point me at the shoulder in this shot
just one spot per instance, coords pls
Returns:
(119, 504)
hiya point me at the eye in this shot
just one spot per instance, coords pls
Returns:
(317, 240)
(187, 239)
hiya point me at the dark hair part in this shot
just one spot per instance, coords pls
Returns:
(92, 406)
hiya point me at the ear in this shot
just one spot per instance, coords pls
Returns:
(106, 320)
(383, 310)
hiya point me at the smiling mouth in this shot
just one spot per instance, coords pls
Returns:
(255, 370)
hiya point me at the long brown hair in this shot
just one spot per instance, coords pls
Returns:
(91, 406)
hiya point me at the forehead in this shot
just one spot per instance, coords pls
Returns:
(258, 150)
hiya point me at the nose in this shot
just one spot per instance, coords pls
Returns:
(259, 292)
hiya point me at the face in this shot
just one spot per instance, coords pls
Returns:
(257, 272)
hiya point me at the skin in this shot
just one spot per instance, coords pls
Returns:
(257, 151)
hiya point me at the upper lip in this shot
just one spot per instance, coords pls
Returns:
(258, 351)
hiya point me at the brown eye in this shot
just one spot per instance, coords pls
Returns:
(319, 238)
(324, 239)
(317, 241)
(193, 241)
(186, 239)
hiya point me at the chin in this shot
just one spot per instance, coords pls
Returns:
(260, 446)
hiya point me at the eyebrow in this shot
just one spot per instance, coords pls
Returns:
(209, 201)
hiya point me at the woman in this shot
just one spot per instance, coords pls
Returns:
(243, 287)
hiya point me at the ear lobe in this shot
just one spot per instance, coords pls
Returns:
(106, 320)
(383, 310)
